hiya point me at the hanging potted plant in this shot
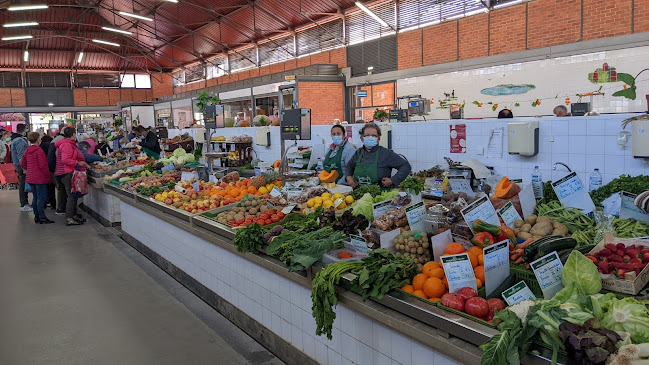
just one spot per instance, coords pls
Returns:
(205, 99)
(118, 122)
(380, 114)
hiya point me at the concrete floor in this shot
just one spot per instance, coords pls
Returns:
(80, 295)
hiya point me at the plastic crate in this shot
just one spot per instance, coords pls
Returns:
(528, 277)
(476, 319)
(405, 293)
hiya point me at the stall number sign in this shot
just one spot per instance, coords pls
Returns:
(169, 167)
(572, 193)
(547, 270)
(360, 246)
(460, 184)
(509, 214)
(518, 293)
(415, 215)
(480, 209)
(275, 192)
(459, 272)
(381, 208)
(496, 265)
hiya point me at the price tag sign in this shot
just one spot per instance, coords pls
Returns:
(547, 270)
(360, 246)
(509, 214)
(293, 192)
(628, 209)
(387, 239)
(415, 215)
(169, 167)
(572, 193)
(496, 265)
(459, 272)
(270, 204)
(518, 293)
(459, 184)
(381, 208)
(196, 186)
(186, 175)
(481, 209)
(275, 192)
(289, 208)
(337, 202)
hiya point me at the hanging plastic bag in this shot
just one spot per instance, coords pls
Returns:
(79, 183)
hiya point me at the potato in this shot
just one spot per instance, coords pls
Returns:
(516, 230)
(543, 218)
(523, 235)
(531, 219)
(541, 228)
(526, 227)
(519, 223)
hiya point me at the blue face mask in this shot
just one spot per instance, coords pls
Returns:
(370, 142)
(337, 140)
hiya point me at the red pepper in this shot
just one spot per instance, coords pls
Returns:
(482, 239)
(507, 233)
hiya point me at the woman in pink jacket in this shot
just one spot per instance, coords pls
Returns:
(34, 163)
(69, 158)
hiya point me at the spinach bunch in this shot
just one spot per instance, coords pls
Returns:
(358, 193)
(412, 183)
(250, 238)
(382, 272)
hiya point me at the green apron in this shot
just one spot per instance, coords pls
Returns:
(367, 173)
(334, 163)
(150, 153)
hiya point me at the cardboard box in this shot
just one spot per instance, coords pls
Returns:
(630, 285)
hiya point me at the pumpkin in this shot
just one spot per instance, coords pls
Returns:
(506, 189)
(328, 177)
(277, 164)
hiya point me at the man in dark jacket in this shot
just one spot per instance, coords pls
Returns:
(61, 197)
(51, 188)
(19, 145)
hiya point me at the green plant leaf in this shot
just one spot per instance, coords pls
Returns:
(493, 108)
(534, 104)
(517, 104)
(627, 93)
(600, 88)
(475, 102)
(490, 103)
(626, 78)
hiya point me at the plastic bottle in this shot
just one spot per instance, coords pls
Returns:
(595, 180)
(537, 183)
(319, 167)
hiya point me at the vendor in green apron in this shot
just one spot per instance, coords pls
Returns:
(339, 154)
(373, 164)
(149, 144)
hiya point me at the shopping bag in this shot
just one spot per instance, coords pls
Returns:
(79, 183)
(28, 188)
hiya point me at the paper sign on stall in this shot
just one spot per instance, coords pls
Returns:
(360, 246)
(186, 175)
(509, 214)
(481, 209)
(496, 265)
(460, 184)
(387, 238)
(289, 208)
(572, 193)
(381, 208)
(518, 293)
(628, 209)
(169, 167)
(415, 215)
(547, 270)
(196, 186)
(275, 192)
(528, 201)
(439, 242)
(459, 272)
(293, 192)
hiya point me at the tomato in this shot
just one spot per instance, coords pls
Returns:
(281, 215)
(467, 293)
(273, 216)
(268, 221)
(231, 223)
(453, 301)
(275, 219)
(239, 221)
(477, 307)
(263, 216)
(494, 304)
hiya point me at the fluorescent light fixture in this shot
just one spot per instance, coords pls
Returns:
(27, 7)
(502, 5)
(370, 68)
(50, 104)
(22, 24)
(80, 57)
(117, 30)
(17, 37)
(370, 13)
(136, 16)
(105, 42)
(26, 56)
(172, 1)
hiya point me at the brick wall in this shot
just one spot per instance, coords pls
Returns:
(12, 97)
(440, 43)
(109, 97)
(325, 99)
(606, 18)
(641, 16)
(161, 85)
(410, 54)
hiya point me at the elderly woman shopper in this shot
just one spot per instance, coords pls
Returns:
(68, 159)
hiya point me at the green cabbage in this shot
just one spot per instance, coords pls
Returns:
(364, 206)
(386, 195)
(580, 277)
(179, 152)
(189, 158)
(622, 315)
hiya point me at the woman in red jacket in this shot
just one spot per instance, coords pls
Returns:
(68, 159)
(34, 163)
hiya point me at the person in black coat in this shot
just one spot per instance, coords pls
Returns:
(51, 188)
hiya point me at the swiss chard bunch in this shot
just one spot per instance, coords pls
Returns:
(382, 272)
(250, 238)
(351, 224)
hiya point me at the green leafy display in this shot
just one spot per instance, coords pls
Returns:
(630, 184)
(413, 184)
(622, 315)
(373, 190)
(382, 272)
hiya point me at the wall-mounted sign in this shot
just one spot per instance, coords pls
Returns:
(361, 93)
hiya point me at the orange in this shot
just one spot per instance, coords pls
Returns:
(434, 288)
(445, 283)
(418, 281)
(473, 258)
(479, 273)
(438, 273)
(420, 293)
(429, 267)
(477, 251)
(408, 288)
(258, 193)
(481, 260)
(434, 299)
(238, 198)
(478, 283)
(252, 189)
(454, 249)
(234, 192)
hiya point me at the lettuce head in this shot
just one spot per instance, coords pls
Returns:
(580, 277)
(622, 315)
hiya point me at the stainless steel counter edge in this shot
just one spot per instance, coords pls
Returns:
(442, 331)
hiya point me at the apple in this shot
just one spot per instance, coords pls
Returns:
(168, 201)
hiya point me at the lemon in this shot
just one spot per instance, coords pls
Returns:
(338, 195)
(318, 200)
(269, 187)
(349, 199)
(310, 203)
(342, 206)
(327, 204)
(263, 190)
(165, 195)
(326, 196)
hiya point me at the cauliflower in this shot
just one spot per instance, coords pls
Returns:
(521, 309)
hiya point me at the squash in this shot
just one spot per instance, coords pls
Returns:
(328, 177)
(506, 189)
(277, 164)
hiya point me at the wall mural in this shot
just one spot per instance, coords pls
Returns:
(508, 89)
(603, 74)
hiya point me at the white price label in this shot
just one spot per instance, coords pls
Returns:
(196, 186)
(572, 193)
(288, 209)
(415, 215)
(381, 208)
(186, 176)
(459, 272)
(547, 270)
(509, 214)
(275, 192)
(460, 184)
(169, 167)
(480, 209)
(337, 202)
(496, 265)
(628, 209)
(518, 293)
(293, 192)
(360, 245)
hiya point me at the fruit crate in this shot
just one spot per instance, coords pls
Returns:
(435, 304)
(465, 315)
(528, 277)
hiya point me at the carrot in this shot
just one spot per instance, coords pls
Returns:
(519, 261)
(513, 257)
(527, 242)
(344, 255)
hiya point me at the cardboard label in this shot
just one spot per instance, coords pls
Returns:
(528, 201)
(572, 193)
(509, 214)
(439, 243)
(196, 186)
(387, 238)
(186, 176)
(289, 208)
(518, 293)
(481, 209)
(460, 184)
(169, 167)
(459, 272)
(496, 265)
(547, 270)
(415, 215)
(360, 246)
(275, 192)
(270, 204)
(381, 208)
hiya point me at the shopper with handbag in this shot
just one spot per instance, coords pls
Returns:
(34, 163)
(69, 159)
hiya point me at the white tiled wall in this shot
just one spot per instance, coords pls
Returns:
(106, 205)
(279, 304)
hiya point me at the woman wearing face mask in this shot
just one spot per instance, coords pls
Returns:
(373, 164)
(338, 154)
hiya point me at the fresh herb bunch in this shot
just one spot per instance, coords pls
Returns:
(548, 193)
(358, 193)
(633, 185)
(435, 171)
(299, 251)
(323, 294)
(382, 272)
(412, 183)
(250, 238)
(350, 224)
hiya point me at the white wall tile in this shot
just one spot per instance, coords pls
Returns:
(321, 352)
(381, 339)
(296, 338)
(365, 354)
(347, 320)
(421, 354)
(349, 347)
(401, 349)
(443, 360)
(381, 359)
(334, 358)
(308, 344)
(364, 329)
